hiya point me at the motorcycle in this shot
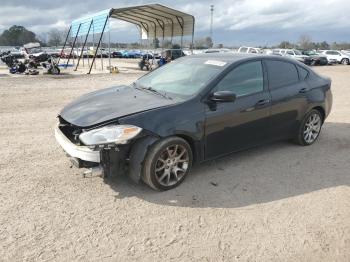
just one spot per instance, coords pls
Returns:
(14, 65)
(51, 66)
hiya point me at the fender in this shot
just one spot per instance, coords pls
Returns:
(137, 155)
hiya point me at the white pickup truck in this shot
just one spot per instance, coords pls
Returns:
(249, 50)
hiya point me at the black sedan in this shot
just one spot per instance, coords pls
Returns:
(315, 59)
(194, 109)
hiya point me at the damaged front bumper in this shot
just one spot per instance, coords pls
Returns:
(112, 159)
(80, 152)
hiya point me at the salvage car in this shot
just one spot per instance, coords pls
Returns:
(315, 58)
(193, 109)
(297, 55)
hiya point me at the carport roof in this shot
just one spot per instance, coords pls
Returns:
(156, 20)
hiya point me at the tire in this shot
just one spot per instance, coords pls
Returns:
(163, 168)
(345, 61)
(310, 128)
(55, 70)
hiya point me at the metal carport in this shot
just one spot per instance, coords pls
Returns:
(153, 20)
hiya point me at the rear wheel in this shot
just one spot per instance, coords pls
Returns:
(310, 128)
(345, 61)
(167, 163)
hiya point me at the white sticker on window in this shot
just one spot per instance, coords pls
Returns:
(215, 62)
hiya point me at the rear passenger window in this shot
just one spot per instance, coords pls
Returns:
(281, 73)
(303, 73)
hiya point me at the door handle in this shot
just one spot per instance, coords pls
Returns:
(303, 90)
(262, 102)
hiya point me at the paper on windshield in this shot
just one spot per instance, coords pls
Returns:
(215, 62)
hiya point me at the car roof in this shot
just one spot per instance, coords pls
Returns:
(236, 57)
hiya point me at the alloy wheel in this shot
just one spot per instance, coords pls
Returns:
(171, 165)
(312, 128)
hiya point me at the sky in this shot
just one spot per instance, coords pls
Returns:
(236, 22)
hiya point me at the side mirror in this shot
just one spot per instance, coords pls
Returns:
(223, 96)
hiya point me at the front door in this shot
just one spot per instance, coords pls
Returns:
(231, 126)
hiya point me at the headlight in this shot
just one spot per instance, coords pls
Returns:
(117, 134)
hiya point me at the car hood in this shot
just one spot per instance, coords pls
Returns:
(111, 103)
(317, 56)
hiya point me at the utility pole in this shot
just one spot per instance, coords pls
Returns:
(211, 21)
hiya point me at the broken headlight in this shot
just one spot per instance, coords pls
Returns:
(117, 134)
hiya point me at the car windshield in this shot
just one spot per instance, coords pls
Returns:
(311, 53)
(297, 52)
(182, 78)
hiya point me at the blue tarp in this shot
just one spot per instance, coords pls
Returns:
(98, 19)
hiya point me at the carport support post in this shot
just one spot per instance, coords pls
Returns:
(102, 52)
(64, 45)
(192, 36)
(81, 53)
(98, 45)
(109, 45)
(75, 39)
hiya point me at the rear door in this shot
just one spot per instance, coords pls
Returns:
(333, 55)
(288, 96)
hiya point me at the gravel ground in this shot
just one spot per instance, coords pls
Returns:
(279, 202)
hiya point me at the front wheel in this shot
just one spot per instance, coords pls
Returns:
(54, 70)
(167, 163)
(310, 128)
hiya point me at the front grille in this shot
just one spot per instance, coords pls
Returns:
(71, 131)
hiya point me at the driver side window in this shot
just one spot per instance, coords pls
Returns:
(245, 79)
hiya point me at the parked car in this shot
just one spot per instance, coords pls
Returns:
(276, 52)
(175, 53)
(134, 54)
(16, 53)
(65, 53)
(315, 59)
(218, 50)
(250, 50)
(336, 57)
(101, 52)
(117, 54)
(194, 109)
(157, 55)
(346, 52)
(296, 54)
(77, 52)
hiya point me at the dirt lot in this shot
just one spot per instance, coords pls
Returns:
(280, 202)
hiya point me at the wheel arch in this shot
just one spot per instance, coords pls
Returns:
(322, 111)
(192, 144)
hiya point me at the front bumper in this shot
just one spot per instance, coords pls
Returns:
(332, 61)
(81, 152)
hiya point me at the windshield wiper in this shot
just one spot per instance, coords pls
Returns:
(149, 88)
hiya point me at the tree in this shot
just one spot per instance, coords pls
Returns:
(305, 42)
(285, 44)
(209, 42)
(156, 43)
(17, 36)
(55, 37)
(324, 45)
